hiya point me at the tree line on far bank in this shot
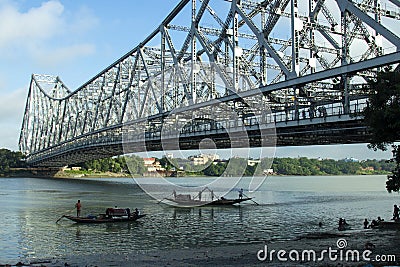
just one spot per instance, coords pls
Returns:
(238, 166)
(233, 167)
(10, 159)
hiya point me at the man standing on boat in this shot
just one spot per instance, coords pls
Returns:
(78, 206)
(241, 193)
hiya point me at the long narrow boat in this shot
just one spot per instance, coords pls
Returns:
(388, 225)
(104, 219)
(217, 202)
(205, 197)
(111, 215)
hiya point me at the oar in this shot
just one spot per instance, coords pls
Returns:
(161, 200)
(164, 198)
(64, 215)
(60, 218)
(251, 199)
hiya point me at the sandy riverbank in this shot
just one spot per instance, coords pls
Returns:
(385, 243)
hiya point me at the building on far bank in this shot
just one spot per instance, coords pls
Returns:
(351, 160)
(253, 162)
(268, 172)
(203, 158)
(152, 165)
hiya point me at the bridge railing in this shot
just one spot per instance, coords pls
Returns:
(324, 110)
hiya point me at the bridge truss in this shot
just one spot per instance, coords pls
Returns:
(300, 54)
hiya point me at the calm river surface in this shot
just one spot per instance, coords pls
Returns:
(289, 207)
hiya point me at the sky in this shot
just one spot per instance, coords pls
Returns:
(75, 40)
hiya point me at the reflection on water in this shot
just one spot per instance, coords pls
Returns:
(289, 207)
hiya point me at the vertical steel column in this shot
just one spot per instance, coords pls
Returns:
(194, 61)
(377, 8)
(345, 55)
(235, 49)
(295, 38)
(295, 50)
(163, 89)
(312, 35)
(263, 57)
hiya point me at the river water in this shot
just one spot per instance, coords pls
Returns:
(288, 207)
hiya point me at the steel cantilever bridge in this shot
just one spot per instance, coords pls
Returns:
(310, 60)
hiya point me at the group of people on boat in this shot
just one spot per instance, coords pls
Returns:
(374, 223)
(343, 225)
(110, 211)
(200, 195)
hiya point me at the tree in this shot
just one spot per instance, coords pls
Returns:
(10, 159)
(382, 116)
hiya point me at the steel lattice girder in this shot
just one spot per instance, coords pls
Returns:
(296, 52)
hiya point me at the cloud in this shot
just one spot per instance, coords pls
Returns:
(36, 24)
(12, 106)
(63, 54)
(83, 21)
(43, 32)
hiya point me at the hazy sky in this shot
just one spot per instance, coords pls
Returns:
(76, 40)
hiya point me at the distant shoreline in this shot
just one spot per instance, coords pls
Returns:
(77, 174)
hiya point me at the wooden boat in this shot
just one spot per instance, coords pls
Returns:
(111, 215)
(388, 225)
(217, 202)
(103, 219)
(205, 197)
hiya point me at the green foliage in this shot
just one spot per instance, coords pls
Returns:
(10, 159)
(305, 166)
(238, 166)
(393, 181)
(169, 164)
(134, 164)
(383, 111)
(291, 166)
(215, 169)
(116, 164)
(382, 116)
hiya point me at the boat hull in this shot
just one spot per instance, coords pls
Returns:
(217, 202)
(104, 219)
(388, 225)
